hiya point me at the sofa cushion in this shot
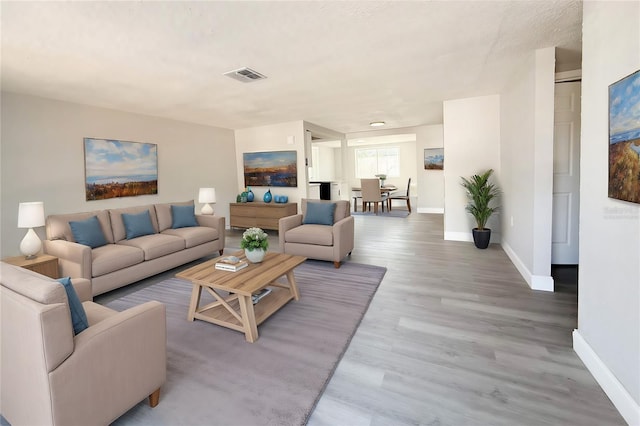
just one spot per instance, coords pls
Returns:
(183, 217)
(194, 236)
(137, 224)
(78, 316)
(58, 225)
(163, 213)
(321, 235)
(88, 232)
(117, 223)
(319, 213)
(156, 245)
(114, 257)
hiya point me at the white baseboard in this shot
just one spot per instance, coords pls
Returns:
(439, 210)
(536, 282)
(458, 236)
(626, 405)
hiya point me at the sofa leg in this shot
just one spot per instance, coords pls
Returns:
(154, 398)
(221, 251)
(336, 265)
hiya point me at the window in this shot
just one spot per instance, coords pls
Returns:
(375, 161)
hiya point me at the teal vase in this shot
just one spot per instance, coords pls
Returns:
(250, 195)
(267, 197)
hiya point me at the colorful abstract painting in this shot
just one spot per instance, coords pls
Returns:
(434, 159)
(274, 168)
(624, 139)
(116, 168)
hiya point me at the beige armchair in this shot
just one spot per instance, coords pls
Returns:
(317, 241)
(51, 377)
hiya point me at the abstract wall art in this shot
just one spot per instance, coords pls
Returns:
(114, 168)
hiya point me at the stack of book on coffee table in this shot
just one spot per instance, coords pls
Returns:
(231, 263)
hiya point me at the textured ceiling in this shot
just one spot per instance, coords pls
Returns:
(338, 64)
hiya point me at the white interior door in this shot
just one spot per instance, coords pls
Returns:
(566, 174)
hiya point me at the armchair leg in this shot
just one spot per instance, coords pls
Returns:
(154, 398)
(221, 251)
(336, 265)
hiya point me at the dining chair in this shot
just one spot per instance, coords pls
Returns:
(406, 197)
(371, 194)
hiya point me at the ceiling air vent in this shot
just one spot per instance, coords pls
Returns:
(245, 75)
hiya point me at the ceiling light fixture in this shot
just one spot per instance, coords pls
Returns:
(376, 123)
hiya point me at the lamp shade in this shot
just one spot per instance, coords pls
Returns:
(207, 195)
(31, 215)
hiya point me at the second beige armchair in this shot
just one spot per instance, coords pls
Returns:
(324, 231)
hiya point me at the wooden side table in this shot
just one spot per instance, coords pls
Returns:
(44, 264)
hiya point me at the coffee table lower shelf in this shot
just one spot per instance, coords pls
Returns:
(217, 313)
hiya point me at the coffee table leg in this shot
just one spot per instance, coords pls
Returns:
(248, 318)
(293, 286)
(195, 300)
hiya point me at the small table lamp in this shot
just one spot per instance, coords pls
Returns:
(30, 215)
(206, 196)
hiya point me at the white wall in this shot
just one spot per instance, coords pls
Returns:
(608, 335)
(273, 137)
(471, 146)
(43, 158)
(527, 167)
(430, 183)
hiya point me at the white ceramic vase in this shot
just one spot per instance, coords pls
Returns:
(255, 255)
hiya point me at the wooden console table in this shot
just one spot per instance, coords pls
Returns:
(44, 264)
(261, 215)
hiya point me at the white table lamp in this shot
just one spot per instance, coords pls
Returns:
(30, 215)
(208, 197)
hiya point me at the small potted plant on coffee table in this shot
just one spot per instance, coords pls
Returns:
(255, 243)
(481, 193)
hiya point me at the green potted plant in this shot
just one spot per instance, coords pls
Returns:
(255, 243)
(481, 193)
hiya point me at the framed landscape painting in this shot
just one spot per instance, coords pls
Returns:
(274, 168)
(624, 139)
(114, 168)
(434, 159)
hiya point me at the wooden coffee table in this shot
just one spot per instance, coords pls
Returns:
(233, 307)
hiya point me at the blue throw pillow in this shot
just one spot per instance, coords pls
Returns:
(88, 232)
(182, 217)
(78, 315)
(137, 225)
(319, 213)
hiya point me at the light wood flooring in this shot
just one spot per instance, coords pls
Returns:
(454, 336)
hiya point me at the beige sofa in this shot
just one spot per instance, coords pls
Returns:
(122, 261)
(323, 242)
(49, 376)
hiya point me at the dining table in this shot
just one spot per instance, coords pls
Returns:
(383, 189)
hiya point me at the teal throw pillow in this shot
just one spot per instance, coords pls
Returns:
(88, 232)
(319, 213)
(78, 315)
(137, 225)
(183, 217)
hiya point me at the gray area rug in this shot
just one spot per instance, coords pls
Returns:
(214, 377)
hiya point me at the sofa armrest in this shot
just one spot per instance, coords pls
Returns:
(115, 364)
(343, 231)
(285, 224)
(212, 221)
(74, 260)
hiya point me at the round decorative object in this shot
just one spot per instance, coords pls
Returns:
(284, 199)
(267, 197)
(256, 255)
(277, 198)
(250, 195)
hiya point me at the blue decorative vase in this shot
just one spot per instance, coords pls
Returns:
(276, 198)
(250, 195)
(267, 197)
